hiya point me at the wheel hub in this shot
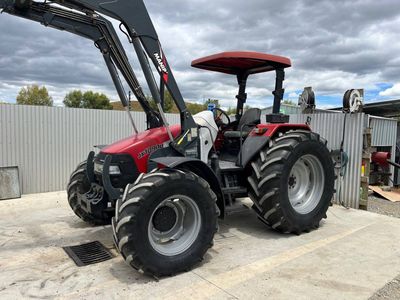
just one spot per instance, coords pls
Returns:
(164, 219)
(174, 225)
(292, 181)
(306, 184)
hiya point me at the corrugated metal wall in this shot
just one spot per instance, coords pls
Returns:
(294, 110)
(47, 143)
(330, 126)
(384, 131)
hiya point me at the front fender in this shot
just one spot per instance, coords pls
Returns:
(200, 169)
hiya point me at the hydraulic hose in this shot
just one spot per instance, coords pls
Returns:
(344, 161)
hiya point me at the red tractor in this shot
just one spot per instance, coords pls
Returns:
(164, 189)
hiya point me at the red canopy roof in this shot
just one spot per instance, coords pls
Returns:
(238, 62)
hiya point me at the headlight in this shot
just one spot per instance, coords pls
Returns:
(98, 168)
(114, 170)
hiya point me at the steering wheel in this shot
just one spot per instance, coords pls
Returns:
(219, 114)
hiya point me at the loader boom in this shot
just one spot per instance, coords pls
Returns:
(83, 18)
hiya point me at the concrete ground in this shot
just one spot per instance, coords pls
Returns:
(352, 256)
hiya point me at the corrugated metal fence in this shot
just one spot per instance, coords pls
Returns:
(384, 131)
(47, 143)
(330, 127)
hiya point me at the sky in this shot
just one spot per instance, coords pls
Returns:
(334, 46)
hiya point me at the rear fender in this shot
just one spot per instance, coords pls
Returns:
(200, 169)
(260, 137)
(273, 130)
(251, 147)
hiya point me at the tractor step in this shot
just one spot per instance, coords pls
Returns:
(228, 166)
(236, 208)
(234, 190)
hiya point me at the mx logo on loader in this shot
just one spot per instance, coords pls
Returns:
(162, 65)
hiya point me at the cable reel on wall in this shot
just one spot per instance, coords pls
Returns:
(353, 101)
(307, 100)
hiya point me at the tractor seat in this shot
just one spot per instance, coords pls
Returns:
(248, 121)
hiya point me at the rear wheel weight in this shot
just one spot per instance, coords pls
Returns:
(298, 196)
(166, 223)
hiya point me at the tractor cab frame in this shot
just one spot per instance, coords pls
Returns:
(243, 64)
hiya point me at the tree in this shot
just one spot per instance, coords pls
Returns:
(170, 107)
(211, 101)
(288, 102)
(88, 99)
(231, 111)
(194, 108)
(169, 104)
(34, 95)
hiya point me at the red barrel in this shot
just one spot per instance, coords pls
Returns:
(381, 158)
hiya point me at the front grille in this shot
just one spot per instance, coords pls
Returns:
(127, 166)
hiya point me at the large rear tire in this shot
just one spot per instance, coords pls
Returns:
(165, 222)
(79, 184)
(292, 182)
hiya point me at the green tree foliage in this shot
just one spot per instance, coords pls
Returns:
(170, 107)
(213, 101)
(88, 99)
(169, 104)
(195, 108)
(288, 102)
(34, 95)
(231, 111)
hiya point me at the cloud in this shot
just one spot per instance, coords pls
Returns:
(393, 92)
(334, 46)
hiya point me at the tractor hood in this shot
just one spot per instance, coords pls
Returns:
(141, 141)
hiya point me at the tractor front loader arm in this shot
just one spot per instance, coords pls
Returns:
(134, 16)
(82, 18)
(95, 28)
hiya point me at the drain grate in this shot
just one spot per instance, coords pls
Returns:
(88, 254)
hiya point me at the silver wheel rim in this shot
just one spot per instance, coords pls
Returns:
(306, 184)
(178, 236)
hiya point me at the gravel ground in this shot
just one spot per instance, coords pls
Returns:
(382, 206)
(389, 291)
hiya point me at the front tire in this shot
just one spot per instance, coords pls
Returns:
(165, 222)
(292, 182)
(79, 184)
